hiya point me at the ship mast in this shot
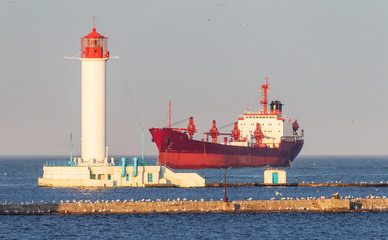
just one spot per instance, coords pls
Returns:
(169, 114)
(264, 100)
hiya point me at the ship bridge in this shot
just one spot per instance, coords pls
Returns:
(272, 127)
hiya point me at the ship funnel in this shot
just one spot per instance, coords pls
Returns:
(276, 107)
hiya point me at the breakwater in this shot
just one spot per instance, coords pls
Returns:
(175, 206)
(297, 184)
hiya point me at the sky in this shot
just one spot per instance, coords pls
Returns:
(326, 60)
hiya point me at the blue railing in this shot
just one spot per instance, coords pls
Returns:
(58, 164)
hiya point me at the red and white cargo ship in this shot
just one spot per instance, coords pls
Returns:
(265, 138)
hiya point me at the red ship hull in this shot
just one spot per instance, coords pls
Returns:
(177, 151)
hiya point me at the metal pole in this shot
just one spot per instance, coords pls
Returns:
(225, 197)
(71, 149)
(142, 145)
(169, 114)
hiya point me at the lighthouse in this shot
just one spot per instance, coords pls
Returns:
(92, 169)
(94, 54)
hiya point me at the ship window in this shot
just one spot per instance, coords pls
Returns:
(150, 177)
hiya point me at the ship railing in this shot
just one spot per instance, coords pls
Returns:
(291, 138)
(59, 164)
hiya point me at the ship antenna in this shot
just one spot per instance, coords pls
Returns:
(264, 100)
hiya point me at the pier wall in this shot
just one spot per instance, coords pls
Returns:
(148, 207)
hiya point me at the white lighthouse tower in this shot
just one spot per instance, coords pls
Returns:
(94, 54)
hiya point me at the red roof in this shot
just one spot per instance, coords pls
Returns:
(94, 34)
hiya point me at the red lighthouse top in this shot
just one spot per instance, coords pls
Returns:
(94, 45)
(94, 34)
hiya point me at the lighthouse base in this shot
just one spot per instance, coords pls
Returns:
(116, 176)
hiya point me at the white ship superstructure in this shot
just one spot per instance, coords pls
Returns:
(265, 128)
(272, 126)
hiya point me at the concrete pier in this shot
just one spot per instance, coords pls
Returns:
(148, 207)
(297, 185)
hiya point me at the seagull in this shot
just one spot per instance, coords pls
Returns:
(221, 4)
(278, 193)
(208, 20)
(11, 2)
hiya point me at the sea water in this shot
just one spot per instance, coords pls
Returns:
(19, 177)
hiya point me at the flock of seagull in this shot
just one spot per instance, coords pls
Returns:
(370, 196)
(222, 4)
